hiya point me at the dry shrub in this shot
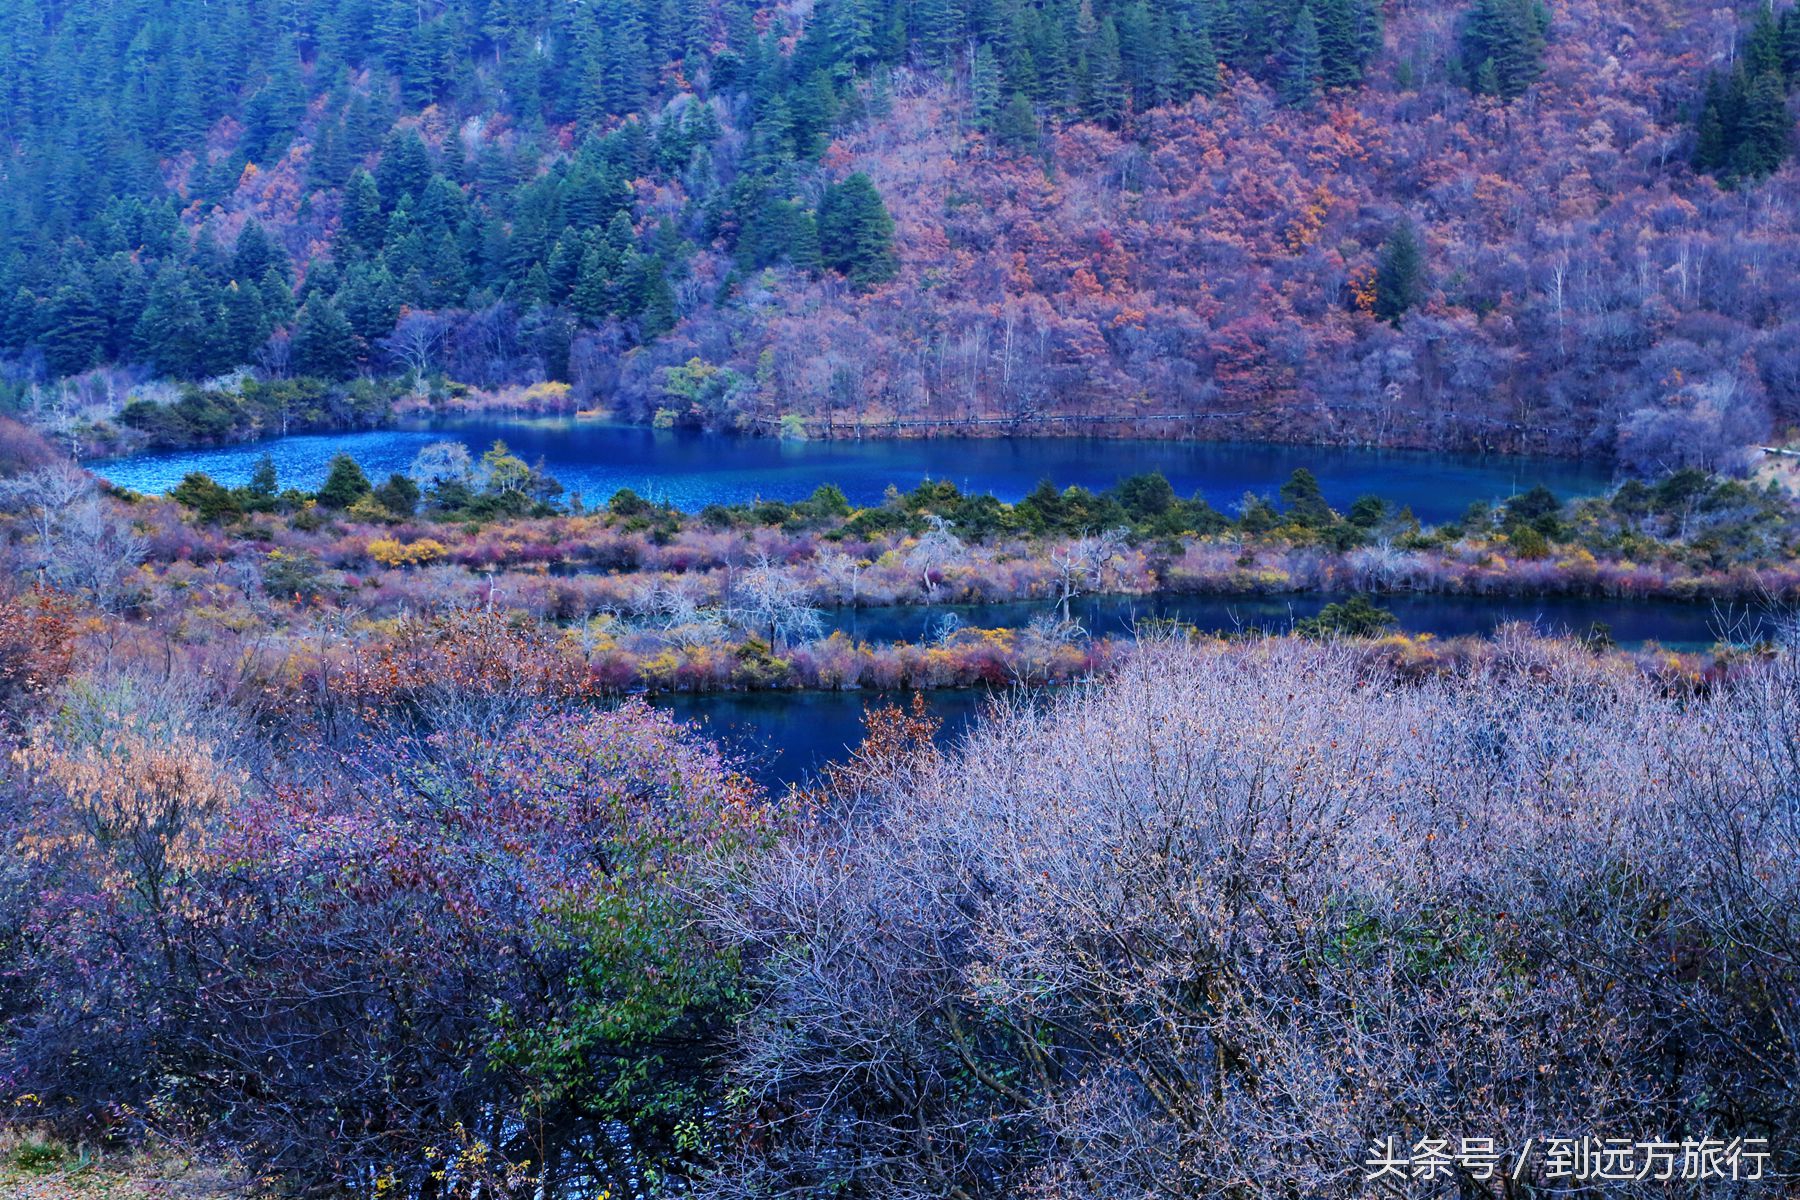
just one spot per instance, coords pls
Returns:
(1213, 926)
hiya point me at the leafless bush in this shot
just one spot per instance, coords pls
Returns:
(78, 541)
(1215, 926)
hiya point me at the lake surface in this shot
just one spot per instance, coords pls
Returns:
(787, 737)
(784, 738)
(1631, 623)
(691, 470)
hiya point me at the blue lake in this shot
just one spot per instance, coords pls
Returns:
(783, 737)
(691, 470)
(779, 738)
(786, 737)
(1630, 623)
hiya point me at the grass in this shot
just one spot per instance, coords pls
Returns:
(35, 1167)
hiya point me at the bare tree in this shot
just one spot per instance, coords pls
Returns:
(842, 573)
(82, 542)
(768, 596)
(417, 342)
(1081, 565)
(936, 548)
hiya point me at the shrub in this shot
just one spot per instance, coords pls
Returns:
(1247, 910)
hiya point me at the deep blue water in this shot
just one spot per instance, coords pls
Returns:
(1677, 626)
(787, 737)
(692, 470)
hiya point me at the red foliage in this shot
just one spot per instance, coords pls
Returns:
(37, 636)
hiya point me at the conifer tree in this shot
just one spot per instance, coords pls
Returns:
(363, 224)
(1106, 85)
(1300, 77)
(984, 86)
(1503, 46)
(1762, 49)
(1712, 145)
(404, 169)
(324, 344)
(625, 54)
(1340, 42)
(1017, 127)
(254, 254)
(1766, 131)
(855, 231)
(1197, 60)
(344, 484)
(1400, 273)
(171, 332)
(936, 26)
(1790, 45)
(264, 486)
(74, 327)
(246, 325)
(594, 296)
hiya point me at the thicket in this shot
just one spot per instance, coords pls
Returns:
(1241, 913)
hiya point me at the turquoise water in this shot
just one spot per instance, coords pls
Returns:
(692, 470)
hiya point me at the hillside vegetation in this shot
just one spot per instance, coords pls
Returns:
(1565, 227)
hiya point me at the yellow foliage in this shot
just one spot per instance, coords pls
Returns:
(1582, 559)
(1362, 288)
(371, 511)
(391, 552)
(548, 392)
(1305, 227)
(144, 801)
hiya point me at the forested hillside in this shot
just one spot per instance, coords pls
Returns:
(1563, 226)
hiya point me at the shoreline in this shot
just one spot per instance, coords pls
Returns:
(1174, 428)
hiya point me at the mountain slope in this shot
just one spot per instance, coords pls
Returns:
(1184, 218)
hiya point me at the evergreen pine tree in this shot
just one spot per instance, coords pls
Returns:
(624, 87)
(1762, 49)
(594, 296)
(345, 482)
(363, 224)
(324, 344)
(855, 231)
(1712, 144)
(1017, 127)
(652, 299)
(277, 298)
(936, 25)
(1106, 83)
(1790, 45)
(1197, 61)
(246, 326)
(1765, 134)
(171, 333)
(254, 254)
(1400, 273)
(1503, 46)
(369, 301)
(1340, 42)
(984, 85)
(264, 486)
(75, 330)
(1225, 25)
(404, 169)
(1300, 78)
